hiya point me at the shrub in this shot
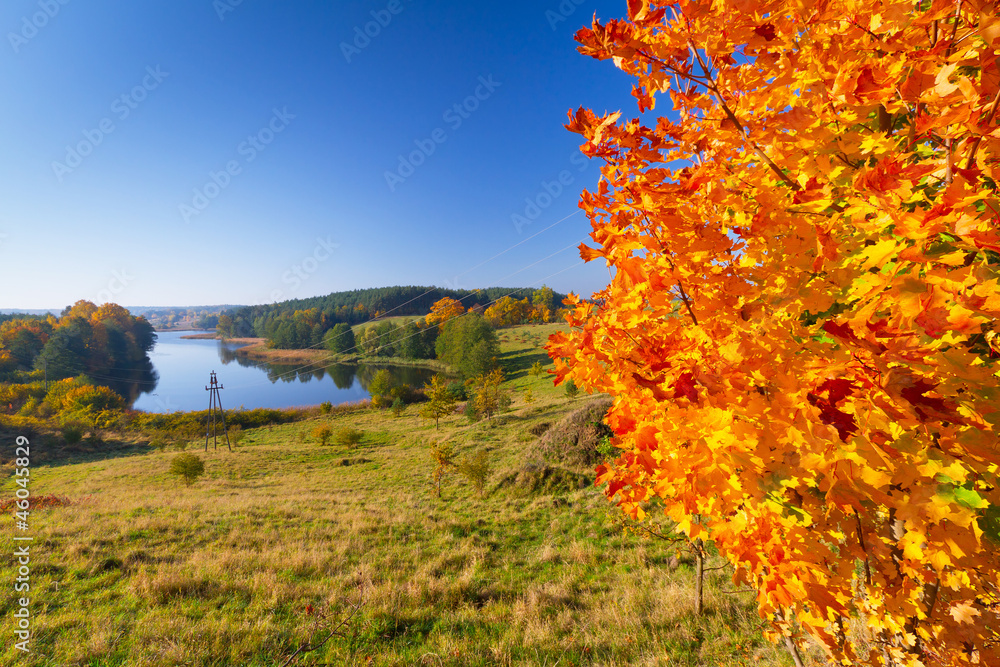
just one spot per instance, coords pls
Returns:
(470, 412)
(323, 433)
(72, 432)
(398, 407)
(577, 436)
(457, 390)
(348, 437)
(571, 389)
(477, 469)
(187, 466)
(236, 434)
(529, 396)
(539, 429)
(325, 407)
(536, 368)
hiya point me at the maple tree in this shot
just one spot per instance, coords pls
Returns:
(444, 309)
(801, 328)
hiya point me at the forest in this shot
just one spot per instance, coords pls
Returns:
(305, 323)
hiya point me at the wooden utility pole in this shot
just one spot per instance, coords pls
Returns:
(213, 401)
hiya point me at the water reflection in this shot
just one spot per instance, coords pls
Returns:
(183, 367)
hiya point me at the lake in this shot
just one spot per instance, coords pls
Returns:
(184, 366)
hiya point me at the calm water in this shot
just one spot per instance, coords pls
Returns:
(183, 367)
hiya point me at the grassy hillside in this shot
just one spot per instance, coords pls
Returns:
(141, 570)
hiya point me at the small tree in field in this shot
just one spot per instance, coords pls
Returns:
(348, 437)
(188, 466)
(802, 327)
(444, 459)
(441, 401)
(487, 393)
(323, 432)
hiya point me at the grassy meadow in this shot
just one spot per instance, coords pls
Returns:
(283, 540)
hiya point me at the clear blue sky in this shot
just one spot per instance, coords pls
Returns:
(117, 115)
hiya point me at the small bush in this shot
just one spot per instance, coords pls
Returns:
(236, 434)
(325, 407)
(188, 466)
(181, 445)
(348, 437)
(457, 389)
(72, 433)
(539, 429)
(323, 433)
(471, 413)
(576, 437)
(398, 407)
(477, 469)
(571, 389)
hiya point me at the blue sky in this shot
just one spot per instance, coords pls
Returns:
(198, 152)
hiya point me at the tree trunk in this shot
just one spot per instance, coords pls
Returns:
(699, 576)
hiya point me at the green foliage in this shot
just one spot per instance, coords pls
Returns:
(398, 406)
(536, 369)
(477, 469)
(470, 412)
(488, 395)
(444, 459)
(469, 344)
(348, 437)
(325, 407)
(72, 432)
(380, 388)
(323, 433)
(571, 389)
(440, 400)
(340, 339)
(187, 466)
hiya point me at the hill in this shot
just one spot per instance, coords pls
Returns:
(284, 540)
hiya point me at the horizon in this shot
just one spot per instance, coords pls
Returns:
(233, 153)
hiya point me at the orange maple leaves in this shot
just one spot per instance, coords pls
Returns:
(801, 331)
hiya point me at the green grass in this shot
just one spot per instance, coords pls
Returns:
(141, 570)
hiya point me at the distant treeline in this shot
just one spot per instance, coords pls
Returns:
(304, 322)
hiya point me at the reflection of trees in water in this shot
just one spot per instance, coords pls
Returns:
(343, 375)
(133, 382)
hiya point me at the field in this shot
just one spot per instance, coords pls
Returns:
(284, 538)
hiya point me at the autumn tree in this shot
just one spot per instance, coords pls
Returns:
(487, 393)
(440, 401)
(444, 310)
(801, 328)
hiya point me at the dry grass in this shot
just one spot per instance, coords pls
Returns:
(140, 570)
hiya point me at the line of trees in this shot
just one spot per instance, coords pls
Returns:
(304, 322)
